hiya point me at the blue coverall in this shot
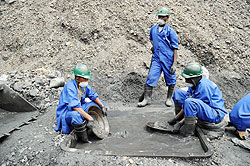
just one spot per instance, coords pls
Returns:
(205, 101)
(240, 114)
(164, 43)
(66, 117)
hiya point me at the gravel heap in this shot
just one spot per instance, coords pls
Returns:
(111, 37)
(40, 87)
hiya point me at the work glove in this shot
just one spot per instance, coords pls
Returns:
(104, 110)
(172, 121)
(152, 50)
(90, 124)
(173, 69)
(177, 128)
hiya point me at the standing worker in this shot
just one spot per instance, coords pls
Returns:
(164, 58)
(72, 109)
(203, 100)
(240, 116)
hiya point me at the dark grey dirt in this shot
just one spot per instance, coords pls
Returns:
(42, 40)
(233, 84)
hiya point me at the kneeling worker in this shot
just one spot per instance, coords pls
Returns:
(203, 100)
(240, 116)
(72, 109)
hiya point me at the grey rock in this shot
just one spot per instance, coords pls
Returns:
(214, 135)
(51, 75)
(42, 95)
(18, 86)
(12, 73)
(47, 100)
(39, 80)
(54, 74)
(57, 82)
(18, 76)
(34, 92)
(5, 57)
(26, 84)
(24, 71)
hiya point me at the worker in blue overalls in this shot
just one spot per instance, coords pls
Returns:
(72, 109)
(240, 116)
(202, 100)
(164, 58)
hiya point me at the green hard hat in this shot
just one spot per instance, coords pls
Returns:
(82, 70)
(192, 70)
(163, 12)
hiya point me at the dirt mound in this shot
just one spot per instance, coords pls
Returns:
(112, 37)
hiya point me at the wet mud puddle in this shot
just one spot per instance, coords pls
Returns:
(130, 136)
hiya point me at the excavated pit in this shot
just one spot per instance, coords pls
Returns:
(129, 136)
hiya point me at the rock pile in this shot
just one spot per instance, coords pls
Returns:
(41, 87)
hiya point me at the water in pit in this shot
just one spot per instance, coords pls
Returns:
(129, 135)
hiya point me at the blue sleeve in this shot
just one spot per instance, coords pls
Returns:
(71, 97)
(90, 94)
(173, 39)
(150, 34)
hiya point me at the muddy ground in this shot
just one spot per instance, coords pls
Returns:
(111, 37)
(38, 144)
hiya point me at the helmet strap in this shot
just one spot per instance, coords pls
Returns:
(196, 80)
(79, 87)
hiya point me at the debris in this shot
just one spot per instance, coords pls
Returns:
(242, 143)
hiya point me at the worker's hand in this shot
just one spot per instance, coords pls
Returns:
(173, 69)
(177, 128)
(152, 50)
(104, 110)
(172, 121)
(90, 124)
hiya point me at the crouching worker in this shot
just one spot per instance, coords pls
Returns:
(72, 109)
(240, 116)
(202, 100)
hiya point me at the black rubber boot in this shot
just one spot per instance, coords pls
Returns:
(169, 96)
(177, 108)
(141, 97)
(189, 126)
(81, 132)
(147, 96)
